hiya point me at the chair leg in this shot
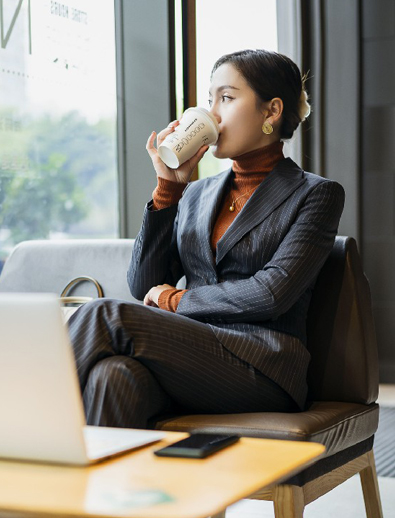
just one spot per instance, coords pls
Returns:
(288, 502)
(370, 488)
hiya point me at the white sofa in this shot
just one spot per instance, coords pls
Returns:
(48, 266)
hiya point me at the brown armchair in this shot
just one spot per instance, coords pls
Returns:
(343, 387)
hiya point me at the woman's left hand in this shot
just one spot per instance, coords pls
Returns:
(152, 297)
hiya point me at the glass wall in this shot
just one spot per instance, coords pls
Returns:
(58, 164)
(224, 26)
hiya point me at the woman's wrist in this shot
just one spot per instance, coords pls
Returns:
(169, 299)
(167, 193)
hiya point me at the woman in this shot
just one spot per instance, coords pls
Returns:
(250, 242)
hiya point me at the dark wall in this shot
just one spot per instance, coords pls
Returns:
(378, 171)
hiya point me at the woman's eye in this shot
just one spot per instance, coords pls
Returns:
(224, 98)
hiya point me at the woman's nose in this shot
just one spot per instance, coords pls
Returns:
(214, 112)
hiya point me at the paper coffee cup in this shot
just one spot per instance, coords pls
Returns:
(197, 128)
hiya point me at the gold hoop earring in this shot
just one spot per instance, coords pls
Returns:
(267, 128)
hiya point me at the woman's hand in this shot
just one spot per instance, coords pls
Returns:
(184, 172)
(152, 297)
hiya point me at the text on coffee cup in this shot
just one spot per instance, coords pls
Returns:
(185, 140)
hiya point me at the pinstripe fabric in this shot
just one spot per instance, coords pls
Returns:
(136, 362)
(255, 292)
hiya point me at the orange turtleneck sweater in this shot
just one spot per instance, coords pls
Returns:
(249, 171)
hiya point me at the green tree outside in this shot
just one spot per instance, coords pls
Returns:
(57, 175)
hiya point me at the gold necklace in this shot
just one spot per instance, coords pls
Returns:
(232, 207)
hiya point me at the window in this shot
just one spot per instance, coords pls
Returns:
(58, 164)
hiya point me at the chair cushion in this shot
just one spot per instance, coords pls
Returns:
(336, 425)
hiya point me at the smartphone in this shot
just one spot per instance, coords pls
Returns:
(197, 445)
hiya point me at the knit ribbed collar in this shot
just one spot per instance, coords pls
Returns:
(261, 160)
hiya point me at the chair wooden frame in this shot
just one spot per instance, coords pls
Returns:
(289, 501)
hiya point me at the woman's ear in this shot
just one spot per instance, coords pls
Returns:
(274, 110)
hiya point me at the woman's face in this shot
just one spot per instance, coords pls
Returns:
(239, 113)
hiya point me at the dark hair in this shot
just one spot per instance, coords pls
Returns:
(270, 75)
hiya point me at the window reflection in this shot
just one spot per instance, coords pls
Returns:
(58, 171)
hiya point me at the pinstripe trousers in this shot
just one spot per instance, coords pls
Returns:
(136, 363)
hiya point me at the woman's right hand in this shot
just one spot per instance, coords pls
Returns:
(183, 173)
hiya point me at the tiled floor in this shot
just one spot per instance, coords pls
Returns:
(346, 501)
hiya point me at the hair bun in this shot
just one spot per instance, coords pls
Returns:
(303, 106)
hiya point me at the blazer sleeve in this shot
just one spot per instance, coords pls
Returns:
(155, 259)
(291, 271)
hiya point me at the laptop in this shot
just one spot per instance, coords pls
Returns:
(41, 410)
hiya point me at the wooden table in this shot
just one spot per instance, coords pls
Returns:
(140, 484)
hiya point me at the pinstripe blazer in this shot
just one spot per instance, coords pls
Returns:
(256, 290)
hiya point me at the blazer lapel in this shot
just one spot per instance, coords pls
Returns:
(285, 178)
(211, 198)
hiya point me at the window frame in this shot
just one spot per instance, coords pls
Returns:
(145, 98)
